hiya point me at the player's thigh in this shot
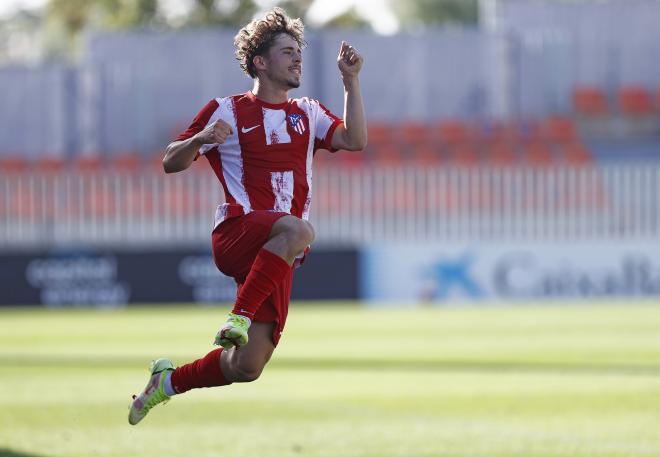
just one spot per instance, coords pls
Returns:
(236, 242)
(293, 225)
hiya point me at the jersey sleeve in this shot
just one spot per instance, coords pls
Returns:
(200, 121)
(325, 125)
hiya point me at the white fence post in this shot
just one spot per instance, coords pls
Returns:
(350, 205)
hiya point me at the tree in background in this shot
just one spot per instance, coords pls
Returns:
(223, 12)
(66, 19)
(72, 14)
(75, 15)
(299, 8)
(296, 8)
(120, 14)
(413, 13)
(348, 20)
(63, 22)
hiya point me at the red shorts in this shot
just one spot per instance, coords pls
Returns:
(236, 243)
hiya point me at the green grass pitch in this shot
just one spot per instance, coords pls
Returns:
(346, 381)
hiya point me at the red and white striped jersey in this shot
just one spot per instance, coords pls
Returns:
(266, 164)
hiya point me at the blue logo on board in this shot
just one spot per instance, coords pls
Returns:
(455, 274)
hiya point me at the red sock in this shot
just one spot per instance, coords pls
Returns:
(204, 372)
(268, 270)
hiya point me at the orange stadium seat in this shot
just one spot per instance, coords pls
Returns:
(380, 133)
(577, 154)
(559, 129)
(127, 162)
(501, 154)
(589, 101)
(349, 158)
(415, 133)
(453, 132)
(50, 164)
(463, 155)
(538, 154)
(635, 101)
(426, 155)
(501, 132)
(88, 163)
(388, 155)
(13, 164)
(531, 131)
(155, 161)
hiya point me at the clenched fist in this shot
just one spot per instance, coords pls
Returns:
(349, 60)
(215, 133)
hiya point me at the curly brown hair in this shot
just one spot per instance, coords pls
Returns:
(258, 36)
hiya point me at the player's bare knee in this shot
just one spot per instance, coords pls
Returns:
(311, 233)
(301, 235)
(247, 373)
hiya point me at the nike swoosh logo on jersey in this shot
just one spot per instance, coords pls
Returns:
(244, 130)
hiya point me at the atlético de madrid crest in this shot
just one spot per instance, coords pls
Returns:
(297, 123)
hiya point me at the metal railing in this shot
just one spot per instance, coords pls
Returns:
(350, 205)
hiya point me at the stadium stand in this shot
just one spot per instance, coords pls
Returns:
(502, 154)
(453, 132)
(126, 162)
(11, 163)
(635, 101)
(450, 142)
(49, 163)
(415, 133)
(576, 154)
(554, 140)
(463, 154)
(589, 101)
(559, 130)
(426, 155)
(538, 154)
(88, 163)
(380, 134)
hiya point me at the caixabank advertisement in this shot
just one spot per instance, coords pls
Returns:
(509, 272)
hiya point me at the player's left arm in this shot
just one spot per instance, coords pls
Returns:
(352, 134)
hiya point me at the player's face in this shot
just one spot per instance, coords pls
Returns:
(285, 61)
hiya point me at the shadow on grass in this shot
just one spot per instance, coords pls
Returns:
(365, 364)
(473, 366)
(10, 453)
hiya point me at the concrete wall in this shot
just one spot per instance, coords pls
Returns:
(134, 91)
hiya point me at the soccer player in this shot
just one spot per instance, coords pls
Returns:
(260, 145)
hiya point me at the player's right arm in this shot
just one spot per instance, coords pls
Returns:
(179, 155)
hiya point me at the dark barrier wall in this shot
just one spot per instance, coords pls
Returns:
(65, 278)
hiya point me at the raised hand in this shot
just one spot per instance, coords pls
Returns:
(215, 133)
(349, 61)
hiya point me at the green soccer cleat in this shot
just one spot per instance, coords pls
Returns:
(234, 332)
(153, 394)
